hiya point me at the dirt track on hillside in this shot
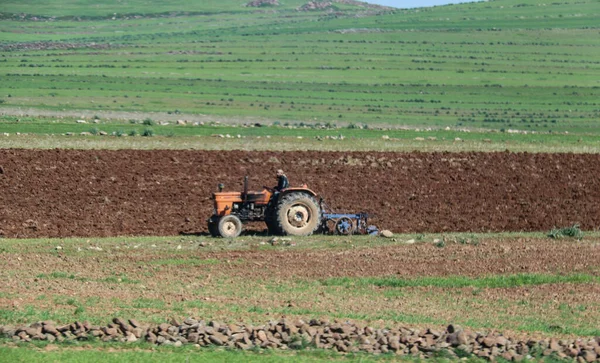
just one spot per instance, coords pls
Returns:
(60, 193)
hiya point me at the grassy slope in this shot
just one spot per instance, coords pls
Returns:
(502, 64)
(110, 8)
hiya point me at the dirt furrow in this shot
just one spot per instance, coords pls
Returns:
(60, 193)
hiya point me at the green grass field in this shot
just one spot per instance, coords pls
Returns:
(499, 65)
(145, 353)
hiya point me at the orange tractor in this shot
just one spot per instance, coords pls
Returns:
(295, 211)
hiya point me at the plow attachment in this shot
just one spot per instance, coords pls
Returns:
(346, 223)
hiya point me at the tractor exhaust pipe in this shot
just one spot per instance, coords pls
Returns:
(245, 188)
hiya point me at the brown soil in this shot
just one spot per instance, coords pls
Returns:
(269, 277)
(60, 193)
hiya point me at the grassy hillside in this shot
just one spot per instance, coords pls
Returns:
(502, 64)
(120, 9)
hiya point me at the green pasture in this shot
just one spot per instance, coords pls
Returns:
(130, 8)
(492, 65)
(66, 133)
(162, 270)
(143, 353)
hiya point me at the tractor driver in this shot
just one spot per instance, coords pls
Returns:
(282, 181)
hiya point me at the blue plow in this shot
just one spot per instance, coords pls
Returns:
(347, 223)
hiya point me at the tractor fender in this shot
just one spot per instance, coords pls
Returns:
(302, 189)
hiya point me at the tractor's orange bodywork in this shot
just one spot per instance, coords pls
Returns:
(224, 201)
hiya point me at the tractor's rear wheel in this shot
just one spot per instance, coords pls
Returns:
(230, 226)
(298, 214)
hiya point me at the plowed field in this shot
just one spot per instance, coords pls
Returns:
(60, 193)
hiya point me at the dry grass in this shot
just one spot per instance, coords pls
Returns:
(151, 279)
(283, 143)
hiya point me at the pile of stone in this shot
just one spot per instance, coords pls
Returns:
(315, 5)
(260, 3)
(362, 4)
(298, 334)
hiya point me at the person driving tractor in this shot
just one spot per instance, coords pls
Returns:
(282, 181)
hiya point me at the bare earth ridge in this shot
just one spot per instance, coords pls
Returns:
(61, 193)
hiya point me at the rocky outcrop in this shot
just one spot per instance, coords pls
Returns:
(315, 5)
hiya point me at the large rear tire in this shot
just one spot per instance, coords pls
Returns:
(230, 226)
(298, 214)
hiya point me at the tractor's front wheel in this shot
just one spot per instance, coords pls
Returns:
(230, 226)
(298, 214)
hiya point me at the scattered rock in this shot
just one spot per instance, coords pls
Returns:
(589, 356)
(387, 233)
(489, 342)
(261, 3)
(315, 5)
